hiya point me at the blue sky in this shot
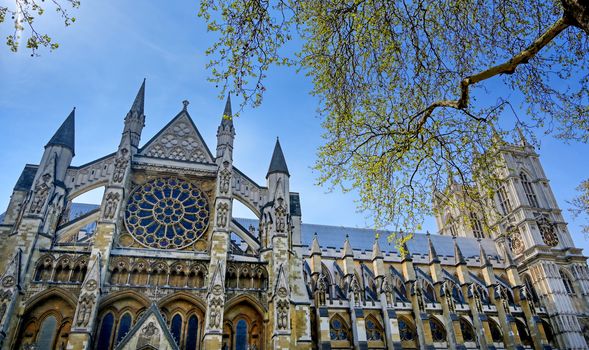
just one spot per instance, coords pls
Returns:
(115, 44)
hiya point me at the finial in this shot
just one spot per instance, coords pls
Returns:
(185, 103)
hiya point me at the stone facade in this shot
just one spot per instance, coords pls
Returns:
(162, 263)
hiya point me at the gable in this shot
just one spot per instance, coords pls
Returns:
(150, 332)
(179, 140)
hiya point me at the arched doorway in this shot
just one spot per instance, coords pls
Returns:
(243, 326)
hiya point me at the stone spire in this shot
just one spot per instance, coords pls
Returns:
(405, 249)
(135, 120)
(376, 252)
(315, 248)
(139, 103)
(458, 254)
(278, 163)
(65, 135)
(484, 258)
(347, 248)
(433, 256)
(227, 114)
(226, 131)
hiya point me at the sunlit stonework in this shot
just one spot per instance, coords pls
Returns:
(162, 262)
(167, 213)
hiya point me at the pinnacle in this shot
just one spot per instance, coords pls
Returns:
(278, 163)
(65, 135)
(139, 102)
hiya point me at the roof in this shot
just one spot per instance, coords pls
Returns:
(65, 135)
(139, 102)
(278, 163)
(27, 176)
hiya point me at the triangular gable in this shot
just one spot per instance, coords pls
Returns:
(150, 332)
(178, 140)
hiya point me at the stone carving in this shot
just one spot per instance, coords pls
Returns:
(321, 288)
(448, 296)
(280, 217)
(40, 194)
(149, 337)
(517, 244)
(112, 202)
(120, 166)
(474, 293)
(387, 289)
(216, 307)
(54, 213)
(222, 212)
(418, 295)
(547, 231)
(355, 289)
(84, 310)
(179, 142)
(282, 307)
(501, 292)
(224, 179)
(5, 298)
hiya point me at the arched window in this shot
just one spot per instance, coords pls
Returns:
(46, 335)
(504, 203)
(124, 326)
(568, 284)
(176, 328)
(438, 330)
(477, 226)
(430, 293)
(406, 330)
(451, 225)
(467, 331)
(529, 190)
(532, 294)
(192, 334)
(496, 334)
(524, 335)
(105, 333)
(373, 330)
(338, 329)
(241, 335)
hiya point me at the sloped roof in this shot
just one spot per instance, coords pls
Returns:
(278, 163)
(66, 134)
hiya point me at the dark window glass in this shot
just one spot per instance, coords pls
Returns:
(192, 334)
(46, 334)
(124, 326)
(407, 333)
(105, 332)
(176, 328)
(241, 336)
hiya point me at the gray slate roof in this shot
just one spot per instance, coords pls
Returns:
(65, 135)
(278, 163)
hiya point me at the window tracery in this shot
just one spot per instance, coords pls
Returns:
(406, 330)
(167, 213)
(338, 329)
(438, 330)
(504, 202)
(373, 330)
(529, 190)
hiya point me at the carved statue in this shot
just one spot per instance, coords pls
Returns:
(321, 288)
(112, 201)
(280, 217)
(40, 194)
(120, 166)
(282, 311)
(449, 298)
(355, 288)
(222, 210)
(419, 296)
(224, 179)
(85, 310)
(150, 336)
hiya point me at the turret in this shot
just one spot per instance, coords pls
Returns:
(226, 131)
(59, 151)
(135, 121)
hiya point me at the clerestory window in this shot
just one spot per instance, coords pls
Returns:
(529, 190)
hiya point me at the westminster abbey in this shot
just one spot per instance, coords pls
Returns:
(162, 263)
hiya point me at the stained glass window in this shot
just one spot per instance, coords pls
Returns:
(105, 332)
(373, 331)
(167, 213)
(191, 337)
(47, 333)
(124, 326)
(241, 336)
(438, 331)
(337, 329)
(406, 331)
(176, 328)
(467, 332)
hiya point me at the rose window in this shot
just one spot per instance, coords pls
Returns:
(167, 213)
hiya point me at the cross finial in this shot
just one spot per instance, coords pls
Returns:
(185, 103)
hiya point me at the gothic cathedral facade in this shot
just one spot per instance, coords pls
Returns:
(162, 263)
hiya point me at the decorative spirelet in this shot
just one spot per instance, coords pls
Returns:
(167, 213)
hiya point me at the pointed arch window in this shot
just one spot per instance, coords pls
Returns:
(241, 335)
(105, 333)
(192, 334)
(338, 329)
(373, 330)
(46, 335)
(504, 203)
(406, 330)
(124, 326)
(467, 331)
(496, 334)
(529, 190)
(568, 284)
(176, 328)
(438, 330)
(477, 226)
